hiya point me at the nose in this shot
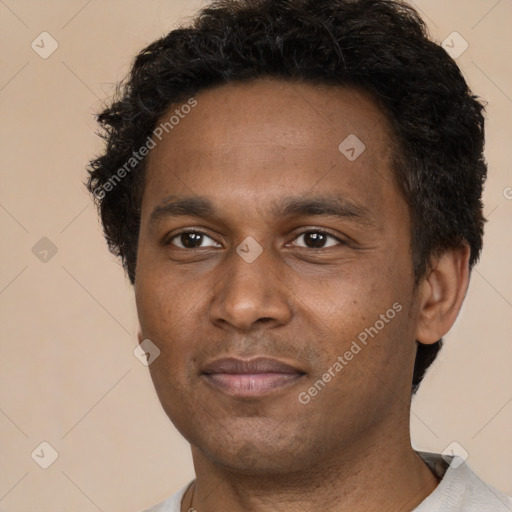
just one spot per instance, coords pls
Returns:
(251, 294)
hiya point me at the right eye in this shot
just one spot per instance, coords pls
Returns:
(191, 239)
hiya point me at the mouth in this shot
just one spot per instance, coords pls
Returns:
(250, 378)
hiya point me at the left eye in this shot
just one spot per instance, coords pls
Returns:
(316, 239)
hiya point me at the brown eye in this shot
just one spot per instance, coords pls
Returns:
(190, 240)
(317, 239)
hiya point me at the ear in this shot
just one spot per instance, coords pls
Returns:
(441, 294)
(140, 338)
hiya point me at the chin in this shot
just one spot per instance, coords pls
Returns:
(262, 452)
(250, 460)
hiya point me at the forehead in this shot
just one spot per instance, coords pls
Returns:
(252, 140)
(301, 114)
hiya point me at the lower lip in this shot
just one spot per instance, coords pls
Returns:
(250, 385)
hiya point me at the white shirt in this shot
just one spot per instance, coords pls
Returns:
(460, 490)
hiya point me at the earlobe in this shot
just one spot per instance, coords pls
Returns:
(140, 338)
(441, 294)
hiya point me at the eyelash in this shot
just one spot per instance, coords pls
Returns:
(168, 241)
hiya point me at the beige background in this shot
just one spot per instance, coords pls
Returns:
(68, 373)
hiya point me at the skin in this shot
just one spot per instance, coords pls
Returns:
(246, 147)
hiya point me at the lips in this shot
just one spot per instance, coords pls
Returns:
(257, 365)
(250, 378)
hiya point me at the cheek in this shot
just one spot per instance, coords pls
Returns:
(161, 302)
(355, 293)
(173, 388)
(367, 304)
(165, 319)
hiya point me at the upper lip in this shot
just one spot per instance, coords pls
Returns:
(249, 366)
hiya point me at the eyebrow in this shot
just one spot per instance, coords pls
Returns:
(325, 205)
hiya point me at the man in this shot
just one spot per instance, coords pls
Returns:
(294, 188)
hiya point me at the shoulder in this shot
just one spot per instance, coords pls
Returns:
(461, 490)
(172, 504)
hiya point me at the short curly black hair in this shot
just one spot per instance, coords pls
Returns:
(380, 46)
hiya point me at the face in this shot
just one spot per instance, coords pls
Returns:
(274, 274)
